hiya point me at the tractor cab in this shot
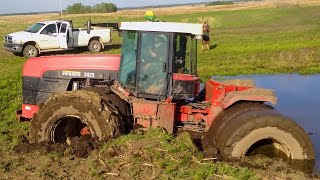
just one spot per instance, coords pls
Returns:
(159, 60)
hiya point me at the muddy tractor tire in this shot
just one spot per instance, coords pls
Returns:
(30, 51)
(66, 115)
(217, 128)
(249, 128)
(95, 46)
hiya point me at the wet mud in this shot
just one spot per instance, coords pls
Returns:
(80, 147)
(117, 160)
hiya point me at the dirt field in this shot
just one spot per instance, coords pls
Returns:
(140, 155)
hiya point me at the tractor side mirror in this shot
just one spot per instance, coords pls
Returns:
(88, 26)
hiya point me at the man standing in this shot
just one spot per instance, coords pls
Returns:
(206, 36)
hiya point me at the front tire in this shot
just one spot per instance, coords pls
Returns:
(30, 51)
(76, 110)
(255, 129)
(95, 46)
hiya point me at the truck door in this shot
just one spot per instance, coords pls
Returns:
(48, 37)
(64, 36)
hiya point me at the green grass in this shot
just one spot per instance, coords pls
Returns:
(250, 41)
(157, 154)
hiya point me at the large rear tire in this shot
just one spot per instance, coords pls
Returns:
(217, 127)
(256, 127)
(81, 108)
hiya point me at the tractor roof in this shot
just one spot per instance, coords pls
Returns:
(195, 29)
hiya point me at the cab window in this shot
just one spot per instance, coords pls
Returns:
(152, 65)
(127, 75)
(50, 29)
(185, 54)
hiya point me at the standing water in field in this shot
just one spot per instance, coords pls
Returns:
(298, 98)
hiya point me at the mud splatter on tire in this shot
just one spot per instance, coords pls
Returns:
(85, 106)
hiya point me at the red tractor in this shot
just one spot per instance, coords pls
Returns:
(153, 83)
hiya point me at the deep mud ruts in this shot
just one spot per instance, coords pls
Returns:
(79, 147)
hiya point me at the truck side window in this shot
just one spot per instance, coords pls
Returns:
(63, 28)
(58, 25)
(50, 29)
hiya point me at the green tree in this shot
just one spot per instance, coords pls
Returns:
(79, 8)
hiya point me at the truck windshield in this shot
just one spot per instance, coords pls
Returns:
(35, 28)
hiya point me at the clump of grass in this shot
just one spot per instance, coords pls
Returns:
(54, 155)
(93, 167)
(158, 154)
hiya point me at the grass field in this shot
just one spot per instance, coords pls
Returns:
(249, 41)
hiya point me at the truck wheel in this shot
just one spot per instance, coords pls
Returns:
(95, 46)
(73, 114)
(30, 51)
(267, 131)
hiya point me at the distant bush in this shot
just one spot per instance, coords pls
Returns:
(79, 8)
(219, 3)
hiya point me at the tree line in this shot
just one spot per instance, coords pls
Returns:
(219, 3)
(79, 8)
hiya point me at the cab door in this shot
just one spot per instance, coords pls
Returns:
(63, 36)
(48, 37)
(152, 72)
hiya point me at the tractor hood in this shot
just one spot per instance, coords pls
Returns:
(36, 67)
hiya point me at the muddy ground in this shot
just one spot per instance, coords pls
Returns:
(139, 155)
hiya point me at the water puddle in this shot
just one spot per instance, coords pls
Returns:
(298, 98)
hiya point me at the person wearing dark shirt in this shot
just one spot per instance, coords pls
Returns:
(206, 36)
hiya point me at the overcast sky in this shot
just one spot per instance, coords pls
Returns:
(23, 6)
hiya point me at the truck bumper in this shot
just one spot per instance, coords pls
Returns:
(15, 48)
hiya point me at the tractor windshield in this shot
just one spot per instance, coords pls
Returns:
(127, 75)
(148, 76)
(185, 56)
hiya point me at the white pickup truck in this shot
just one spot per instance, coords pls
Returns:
(56, 36)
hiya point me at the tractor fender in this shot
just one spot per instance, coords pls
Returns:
(252, 94)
